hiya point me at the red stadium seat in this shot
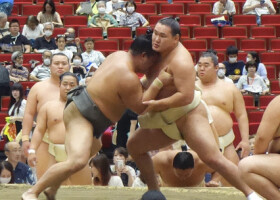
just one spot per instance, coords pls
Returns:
(249, 101)
(5, 57)
(270, 58)
(147, 9)
(207, 19)
(141, 30)
(126, 44)
(236, 131)
(274, 87)
(95, 33)
(199, 9)
(60, 31)
(31, 9)
(190, 21)
(234, 32)
(120, 33)
(31, 56)
(106, 46)
(75, 22)
(153, 19)
(5, 101)
(2, 118)
(28, 84)
(171, 9)
(195, 44)
(185, 32)
(22, 19)
(271, 72)
(263, 32)
(245, 20)
(64, 9)
(206, 32)
(275, 44)
(265, 100)
(253, 45)
(222, 44)
(272, 20)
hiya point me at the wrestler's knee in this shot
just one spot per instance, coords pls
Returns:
(244, 167)
(77, 164)
(213, 161)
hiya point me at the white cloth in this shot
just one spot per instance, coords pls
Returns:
(115, 181)
(138, 183)
(257, 11)
(33, 34)
(256, 85)
(230, 7)
(68, 53)
(93, 57)
(21, 109)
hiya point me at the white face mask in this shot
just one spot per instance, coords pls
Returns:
(232, 59)
(47, 61)
(101, 10)
(130, 9)
(5, 180)
(248, 59)
(48, 33)
(77, 62)
(221, 73)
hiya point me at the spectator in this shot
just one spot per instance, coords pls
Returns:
(72, 42)
(222, 73)
(4, 25)
(61, 42)
(132, 18)
(16, 70)
(6, 6)
(126, 172)
(42, 72)
(4, 82)
(22, 172)
(77, 68)
(17, 106)
(17, 41)
(102, 19)
(254, 56)
(94, 10)
(252, 83)
(32, 29)
(49, 14)
(90, 56)
(6, 173)
(139, 182)
(234, 68)
(252, 143)
(224, 7)
(47, 42)
(101, 172)
(258, 8)
(115, 8)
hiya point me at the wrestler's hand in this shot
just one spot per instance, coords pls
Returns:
(25, 147)
(153, 106)
(245, 148)
(32, 160)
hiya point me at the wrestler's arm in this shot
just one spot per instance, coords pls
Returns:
(29, 113)
(184, 81)
(242, 119)
(268, 126)
(38, 133)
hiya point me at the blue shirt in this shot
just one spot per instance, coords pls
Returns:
(234, 68)
(23, 174)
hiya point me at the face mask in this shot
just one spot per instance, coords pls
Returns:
(221, 73)
(5, 180)
(248, 59)
(48, 33)
(77, 62)
(130, 9)
(101, 10)
(232, 59)
(47, 61)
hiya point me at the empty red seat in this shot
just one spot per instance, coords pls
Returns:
(246, 20)
(28, 84)
(64, 9)
(2, 118)
(274, 87)
(249, 100)
(190, 20)
(185, 32)
(222, 44)
(255, 116)
(253, 45)
(95, 33)
(147, 9)
(5, 102)
(206, 32)
(5, 57)
(171, 9)
(270, 58)
(234, 32)
(270, 20)
(60, 31)
(31, 9)
(119, 33)
(32, 56)
(75, 21)
(195, 44)
(21, 19)
(106, 46)
(263, 32)
(126, 44)
(271, 72)
(153, 19)
(275, 44)
(199, 8)
(141, 30)
(265, 100)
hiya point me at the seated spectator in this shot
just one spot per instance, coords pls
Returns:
(77, 68)
(6, 173)
(4, 82)
(17, 106)
(90, 56)
(47, 42)
(94, 10)
(252, 83)
(49, 14)
(6, 6)
(102, 19)
(4, 25)
(15, 40)
(42, 72)
(22, 172)
(222, 73)
(254, 56)
(139, 182)
(61, 42)
(32, 29)
(234, 67)
(224, 7)
(115, 8)
(126, 172)
(258, 8)
(73, 43)
(16, 70)
(101, 172)
(132, 18)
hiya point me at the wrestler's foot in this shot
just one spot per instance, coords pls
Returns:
(213, 184)
(50, 194)
(153, 194)
(28, 195)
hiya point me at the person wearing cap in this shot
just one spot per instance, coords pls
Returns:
(16, 70)
(73, 43)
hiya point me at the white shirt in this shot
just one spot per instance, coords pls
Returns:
(68, 53)
(138, 183)
(93, 57)
(33, 34)
(258, 11)
(21, 109)
(230, 7)
(115, 181)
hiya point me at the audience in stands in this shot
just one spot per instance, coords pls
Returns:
(4, 82)
(224, 7)
(22, 172)
(102, 19)
(139, 182)
(4, 25)
(126, 172)
(32, 29)
(16, 70)
(222, 73)
(6, 6)
(73, 43)
(115, 8)
(17, 106)
(252, 143)
(49, 14)
(15, 41)
(61, 42)
(90, 56)
(101, 172)
(132, 18)
(234, 67)
(258, 8)
(94, 10)
(47, 42)
(6, 173)
(252, 83)
(77, 66)
(42, 72)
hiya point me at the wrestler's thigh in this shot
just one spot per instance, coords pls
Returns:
(144, 140)
(82, 177)
(264, 165)
(274, 146)
(231, 154)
